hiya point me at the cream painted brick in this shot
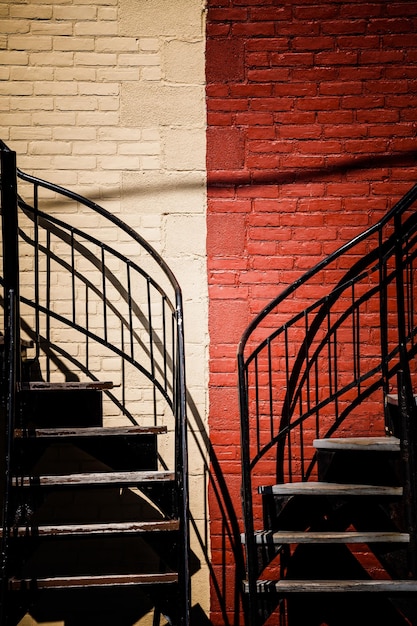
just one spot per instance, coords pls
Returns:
(152, 73)
(138, 59)
(26, 73)
(163, 192)
(55, 88)
(33, 104)
(4, 10)
(98, 119)
(14, 26)
(119, 44)
(74, 163)
(17, 58)
(93, 58)
(150, 163)
(49, 148)
(16, 88)
(145, 147)
(96, 28)
(120, 134)
(161, 105)
(92, 179)
(94, 148)
(107, 103)
(151, 134)
(15, 119)
(183, 61)
(76, 13)
(180, 18)
(121, 74)
(31, 132)
(4, 73)
(55, 59)
(6, 103)
(80, 103)
(184, 149)
(30, 11)
(76, 44)
(75, 74)
(99, 89)
(54, 119)
(120, 163)
(107, 13)
(29, 43)
(3, 42)
(149, 44)
(52, 28)
(33, 163)
(87, 134)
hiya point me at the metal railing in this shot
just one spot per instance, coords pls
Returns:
(322, 356)
(96, 299)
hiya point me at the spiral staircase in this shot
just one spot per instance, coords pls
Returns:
(93, 416)
(327, 381)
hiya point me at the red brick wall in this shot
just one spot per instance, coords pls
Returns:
(312, 117)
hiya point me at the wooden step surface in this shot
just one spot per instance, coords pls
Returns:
(285, 586)
(268, 537)
(94, 431)
(329, 489)
(384, 444)
(106, 528)
(392, 398)
(94, 479)
(65, 386)
(80, 582)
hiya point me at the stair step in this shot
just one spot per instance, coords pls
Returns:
(329, 489)
(109, 528)
(385, 444)
(99, 431)
(286, 586)
(268, 537)
(65, 386)
(94, 478)
(80, 582)
(392, 398)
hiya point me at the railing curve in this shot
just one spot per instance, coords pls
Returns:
(322, 356)
(95, 307)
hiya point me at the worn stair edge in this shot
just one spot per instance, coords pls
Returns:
(286, 586)
(392, 398)
(93, 479)
(330, 489)
(77, 582)
(109, 528)
(94, 431)
(65, 386)
(267, 537)
(385, 444)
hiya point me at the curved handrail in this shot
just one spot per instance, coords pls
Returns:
(150, 329)
(303, 369)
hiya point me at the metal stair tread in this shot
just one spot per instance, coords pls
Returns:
(384, 443)
(102, 528)
(93, 431)
(330, 489)
(286, 586)
(102, 580)
(94, 478)
(268, 537)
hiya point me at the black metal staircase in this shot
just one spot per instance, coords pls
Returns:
(94, 476)
(328, 425)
